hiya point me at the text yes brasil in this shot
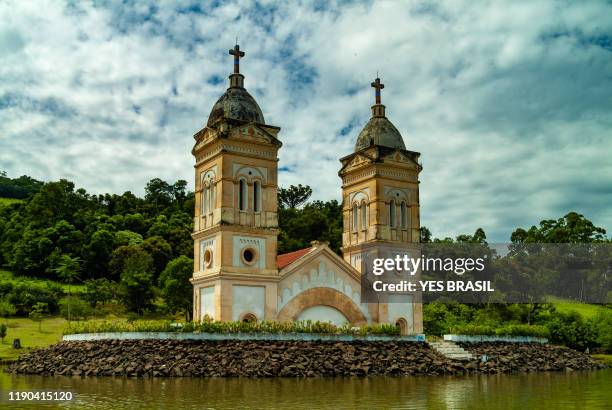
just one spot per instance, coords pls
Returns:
(412, 265)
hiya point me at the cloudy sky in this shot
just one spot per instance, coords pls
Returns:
(510, 106)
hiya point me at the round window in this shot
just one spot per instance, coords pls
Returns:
(208, 258)
(249, 256)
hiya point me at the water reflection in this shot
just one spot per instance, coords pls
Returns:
(524, 391)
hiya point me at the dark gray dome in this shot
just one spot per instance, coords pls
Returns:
(381, 132)
(235, 104)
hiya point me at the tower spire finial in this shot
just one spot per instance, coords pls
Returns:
(378, 86)
(237, 54)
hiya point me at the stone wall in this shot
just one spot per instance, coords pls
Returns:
(231, 358)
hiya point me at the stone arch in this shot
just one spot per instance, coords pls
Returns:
(402, 324)
(322, 296)
(248, 317)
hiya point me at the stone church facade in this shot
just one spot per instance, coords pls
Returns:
(238, 274)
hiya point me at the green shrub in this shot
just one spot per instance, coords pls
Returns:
(602, 323)
(266, 326)
(571, 330)
(3, 330)
(523, 330)
(439, 318)
(23, 294)
(471, 329)
(73, 308)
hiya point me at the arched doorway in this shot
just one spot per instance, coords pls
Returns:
(249, 318)
(402, 324)
(323, 313)
(322, 297)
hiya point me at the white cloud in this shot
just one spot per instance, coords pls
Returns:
(510, 106)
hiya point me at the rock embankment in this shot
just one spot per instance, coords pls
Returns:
(529, 357)
(172, 358)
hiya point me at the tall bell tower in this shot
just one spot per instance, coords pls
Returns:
(235, 223)
(380, 191)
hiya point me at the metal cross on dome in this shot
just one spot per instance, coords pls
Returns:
(379, 86)
(237, 54)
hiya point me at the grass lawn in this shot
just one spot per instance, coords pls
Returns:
(604, 358)
(8, 201)
(27, 330)
(586, 310)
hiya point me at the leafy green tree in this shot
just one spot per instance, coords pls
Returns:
(68, 270)
(74, 308)
(293, 196)
(136, 223)
(97, 253)
(176, 287)
(159, 194)
(30, 255)
(38, 313)
(119, 257)
(99, 290)
(123, 238)
(136, 282)
(7, 309)
(3, 330)
(321, 221)
(572, 228)
(161, 252)
(424, 234)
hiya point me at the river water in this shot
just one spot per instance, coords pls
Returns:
(588, 390)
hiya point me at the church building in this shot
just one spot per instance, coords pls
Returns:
(238, 274)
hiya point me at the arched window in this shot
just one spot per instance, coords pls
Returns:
(211, 203)
(355, 218)
(204, 199)
(403, 214)
(242, 195)
(249, 318)
(364, 218)
(257, 196)
(392, 211)
(402, 325)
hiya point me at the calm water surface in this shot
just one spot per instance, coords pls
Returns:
(574, 390)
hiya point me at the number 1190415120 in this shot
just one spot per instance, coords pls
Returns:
(39, 396)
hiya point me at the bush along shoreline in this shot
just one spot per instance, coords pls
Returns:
(234, 358)
(231, 327)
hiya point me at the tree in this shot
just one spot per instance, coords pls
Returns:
(572, 228)
(119, 257)
(72, 307)
(38, 313)
(136, 282)
(123, 238)
(175, 285)
(98, 251)
(68, 270)
(3, 329)
(99, 291)
(293, 196)
(7, 308)
(159, 194)
(161, 252)
(424, 234)
(479, 237)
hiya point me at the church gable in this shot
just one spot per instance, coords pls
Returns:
(255, 131)
(399, 158)
(357, 161)
(321, 274)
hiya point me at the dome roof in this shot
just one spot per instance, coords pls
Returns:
(382, 132)
(235, 104)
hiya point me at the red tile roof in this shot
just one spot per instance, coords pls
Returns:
(287, 259)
